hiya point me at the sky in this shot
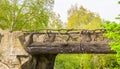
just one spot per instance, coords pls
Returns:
(107, 9)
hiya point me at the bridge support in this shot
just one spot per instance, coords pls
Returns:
(42, 61)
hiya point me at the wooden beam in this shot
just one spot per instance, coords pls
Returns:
(70, 47)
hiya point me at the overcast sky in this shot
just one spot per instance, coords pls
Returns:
(107, 9)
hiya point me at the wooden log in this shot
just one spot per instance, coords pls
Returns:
(70, 47)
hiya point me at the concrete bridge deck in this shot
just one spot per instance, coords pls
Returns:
(38, 49)
(45, 44)
(51, 41)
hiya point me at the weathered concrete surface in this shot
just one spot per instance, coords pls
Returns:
(12, 54)
(70, 48)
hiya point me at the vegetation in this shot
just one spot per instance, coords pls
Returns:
(113, 32)
(24, 14)
(35, 14)
(55, 22)
(79, 17)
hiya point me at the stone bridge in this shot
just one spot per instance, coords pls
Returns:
(43, 45)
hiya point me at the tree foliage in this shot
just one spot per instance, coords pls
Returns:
(82, 18)
(55, 21)
(24, 14)
(113, 32)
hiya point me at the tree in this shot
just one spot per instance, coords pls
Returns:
(24, 14)
(113, 32)
(55, 21)
(82, 18)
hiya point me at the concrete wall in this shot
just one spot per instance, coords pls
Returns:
(12, 53)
